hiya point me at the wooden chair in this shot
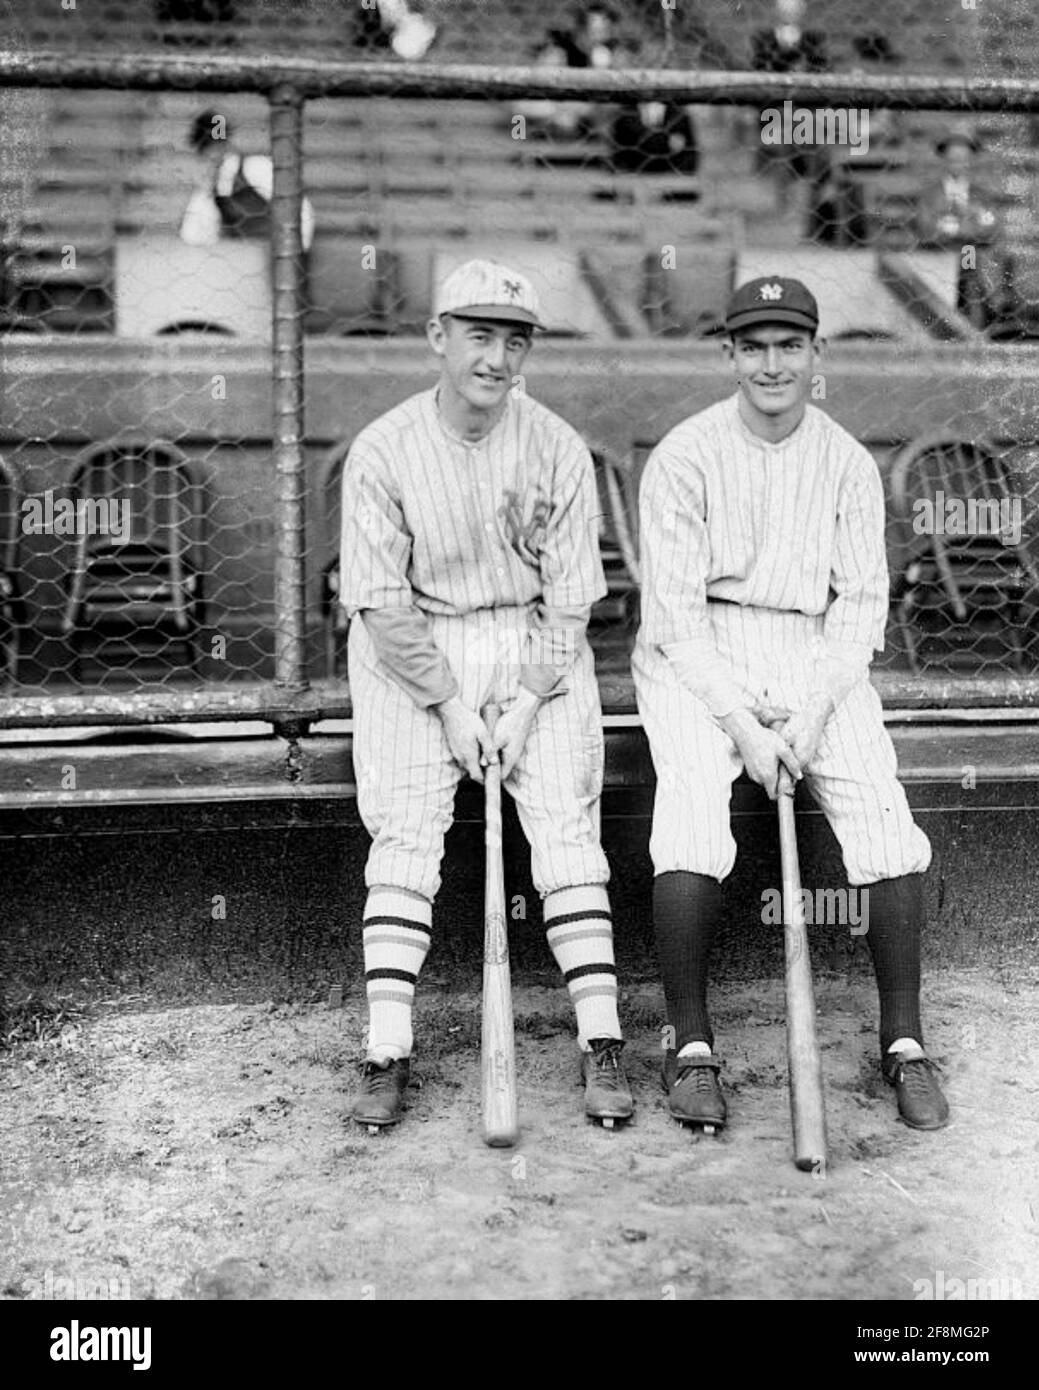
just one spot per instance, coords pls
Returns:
(962, 601)
(138, 592)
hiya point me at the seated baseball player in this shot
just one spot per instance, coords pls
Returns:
(764, 596)
(470, 563)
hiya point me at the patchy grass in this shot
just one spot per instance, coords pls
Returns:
(37, 1018)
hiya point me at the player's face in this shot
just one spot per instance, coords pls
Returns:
(479, 358)
(773, 364)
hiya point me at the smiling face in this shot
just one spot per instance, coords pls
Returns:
(773, 364)
(478, 359)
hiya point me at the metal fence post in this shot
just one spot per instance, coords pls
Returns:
(286, 103)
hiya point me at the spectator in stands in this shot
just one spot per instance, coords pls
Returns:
(874, 54)
(589, 43)
(957, 213)
(233, 195)
(788, 47)
(545, 118)
(393, 25)
(837, 200)
(592, 40)
(653, 137)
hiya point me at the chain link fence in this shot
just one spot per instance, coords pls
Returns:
(179, 212)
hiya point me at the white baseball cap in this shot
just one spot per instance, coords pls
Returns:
(487, 290)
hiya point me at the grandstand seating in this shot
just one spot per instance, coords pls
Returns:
(114, 165)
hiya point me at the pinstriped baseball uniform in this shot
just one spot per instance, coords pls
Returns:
(764, 574)
(475, 535)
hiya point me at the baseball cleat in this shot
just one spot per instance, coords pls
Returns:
(380, 1100)
(607, 1095)
(694, 1096)
(921, 1104)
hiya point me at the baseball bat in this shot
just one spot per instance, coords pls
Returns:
(807, 1112)
(497, 1034)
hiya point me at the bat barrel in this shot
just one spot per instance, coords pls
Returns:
(807, 1112)
(498, 1046)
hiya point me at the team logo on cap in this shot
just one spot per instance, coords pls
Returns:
(771, 292)
(512, 288)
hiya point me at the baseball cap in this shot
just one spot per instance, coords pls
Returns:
(488, 290)
(772, 299)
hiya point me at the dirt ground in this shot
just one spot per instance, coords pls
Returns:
(202, 1152)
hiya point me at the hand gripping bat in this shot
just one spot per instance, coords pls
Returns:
(807, 1113)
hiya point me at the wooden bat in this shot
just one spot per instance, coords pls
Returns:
(497, 1037)
(807, 1113)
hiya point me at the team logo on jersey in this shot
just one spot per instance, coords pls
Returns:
(771, 292)
(526, 537)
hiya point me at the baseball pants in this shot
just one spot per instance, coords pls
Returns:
(853, 775)
(406, 777)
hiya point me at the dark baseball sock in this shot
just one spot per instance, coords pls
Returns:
(686, 912)
(896, 914)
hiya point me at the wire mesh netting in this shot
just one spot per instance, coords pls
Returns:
(138, 478)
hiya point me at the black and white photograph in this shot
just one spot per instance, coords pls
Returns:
(519, 667)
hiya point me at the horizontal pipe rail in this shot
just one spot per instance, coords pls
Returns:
(328, 78)
(270, 703)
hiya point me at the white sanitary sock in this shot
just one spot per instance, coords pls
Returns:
(909, 1048)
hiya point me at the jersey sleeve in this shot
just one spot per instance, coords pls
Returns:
(857, 615)
(674, 556)
(570, 563)
(404, 643)
(553, 643)
(375, 547)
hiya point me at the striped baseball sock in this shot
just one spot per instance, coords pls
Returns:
(580, 934)
(397, 924)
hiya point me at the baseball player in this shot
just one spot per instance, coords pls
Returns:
(470, 564)
(764, 596)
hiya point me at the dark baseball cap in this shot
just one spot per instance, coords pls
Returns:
(772, 299)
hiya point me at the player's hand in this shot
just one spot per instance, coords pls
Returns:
(762, 750)
(764, 753)
(513, 727)
(467, 736)
(772, 716)
(803, 730)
